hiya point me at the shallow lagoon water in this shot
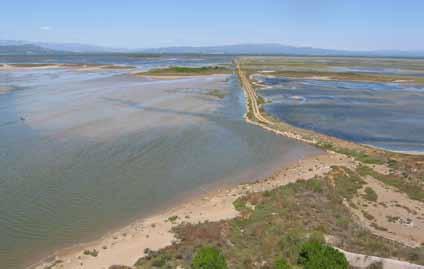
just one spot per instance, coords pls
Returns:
(141, 62)
(85, 152)
(386, 115)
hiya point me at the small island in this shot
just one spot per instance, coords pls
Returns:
(177, 71)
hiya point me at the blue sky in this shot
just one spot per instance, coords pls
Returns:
(355, 24)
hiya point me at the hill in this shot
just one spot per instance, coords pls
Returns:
(26, 49)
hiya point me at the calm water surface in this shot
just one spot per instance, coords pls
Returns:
(84, 152)
(386, 115)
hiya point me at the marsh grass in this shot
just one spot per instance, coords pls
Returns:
(356, 154)
(349, 76)
(187, 71)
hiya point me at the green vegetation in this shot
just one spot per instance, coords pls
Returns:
(93, 252)
(154, 260)
(347, 182)
(173, 219)
(326, 63)
(260, 100)
(315, 255)
(393, 219)
(370, 195)
(357, 155)
(282, 264)
(349, 76)
(209, 258)
(412, 188)
(187, 71)
(250, 114)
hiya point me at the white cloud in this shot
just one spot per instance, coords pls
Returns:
(45, 28)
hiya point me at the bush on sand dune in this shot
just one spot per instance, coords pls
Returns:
(315, 255)
(209, 258)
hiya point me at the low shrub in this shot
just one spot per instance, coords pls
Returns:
(314, 255)
(282, 264)
(209, 258)
(93, 252)
(370, 194)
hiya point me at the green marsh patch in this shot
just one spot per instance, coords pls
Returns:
(187, 71)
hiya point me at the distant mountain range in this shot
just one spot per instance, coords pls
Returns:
(9, 47)
(244, 49)
(25, 49)
(279, 49)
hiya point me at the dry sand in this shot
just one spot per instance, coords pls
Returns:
(398, 217)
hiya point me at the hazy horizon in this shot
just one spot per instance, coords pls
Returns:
(204, 46)
(329, 24)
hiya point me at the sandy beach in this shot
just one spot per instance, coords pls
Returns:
(127, 245)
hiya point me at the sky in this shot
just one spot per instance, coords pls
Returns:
(333, 24)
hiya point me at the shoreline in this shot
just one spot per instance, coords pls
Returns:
(256, 86)
(407, 152)
(116, 232)
(126, 245)
(174, 77)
